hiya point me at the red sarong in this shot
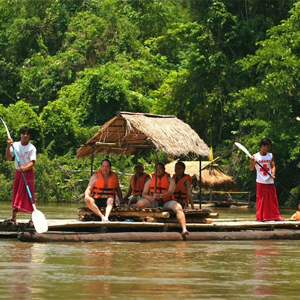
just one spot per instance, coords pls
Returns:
(267, 203)
(21, 200)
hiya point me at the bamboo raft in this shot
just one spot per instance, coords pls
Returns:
(148, 215)
(136, 225)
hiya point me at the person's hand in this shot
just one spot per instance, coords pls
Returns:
(156, 196)
(273, 175)
(252, 159)
(10, 141)
(150, 198)
(22, 169)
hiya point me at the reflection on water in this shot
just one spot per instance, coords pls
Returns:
(193, 270)
(161, 270)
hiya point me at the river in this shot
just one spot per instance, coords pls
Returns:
(160, 270)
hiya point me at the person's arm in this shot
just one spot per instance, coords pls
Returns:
(119, 192)
(125, 199)
(27, 167)
(189, 193)
(171, 189)
(8, 155)
(252, 165)
(146, 191)
(88, 191)
(273, 167)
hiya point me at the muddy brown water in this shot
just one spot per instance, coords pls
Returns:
(160, 270)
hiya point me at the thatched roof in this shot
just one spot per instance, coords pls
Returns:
(127, 132)
(212, 176)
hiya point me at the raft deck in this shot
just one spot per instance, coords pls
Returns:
(74, 231)
(150, 225)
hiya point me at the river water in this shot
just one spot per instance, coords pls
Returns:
(156, 270)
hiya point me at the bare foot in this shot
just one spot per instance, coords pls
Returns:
(10, 220)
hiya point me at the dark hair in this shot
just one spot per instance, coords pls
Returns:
(265, 141)
(107, 161)
(162, 165)
(25, 129)
(181, 164)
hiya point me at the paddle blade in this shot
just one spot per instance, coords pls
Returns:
(243, 149)
(39, 221)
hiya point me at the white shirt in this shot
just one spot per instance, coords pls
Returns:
(261, 175)
(26, 153)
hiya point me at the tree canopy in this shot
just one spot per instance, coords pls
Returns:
(230, 69)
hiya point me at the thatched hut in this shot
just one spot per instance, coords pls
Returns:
(212, 176)
(128, 132)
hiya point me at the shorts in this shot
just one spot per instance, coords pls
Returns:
(166, 204)
(101, 202)
(154, 204)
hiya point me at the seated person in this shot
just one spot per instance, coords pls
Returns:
(136, 186)
(296, 215)
(183, 194)
(162, 196)
(101, 190)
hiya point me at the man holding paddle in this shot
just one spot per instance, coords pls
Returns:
(27, 157)
(266, 195)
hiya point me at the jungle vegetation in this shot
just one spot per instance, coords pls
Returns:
(228, 68)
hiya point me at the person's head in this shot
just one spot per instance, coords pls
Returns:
(138, 169)
(105, 166)
(179, 168)
(25, 134)
(265, 144)
(160, 169)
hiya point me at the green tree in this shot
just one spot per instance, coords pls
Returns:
(269, 108)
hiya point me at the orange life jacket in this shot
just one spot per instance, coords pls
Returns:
(138, 185)
(180, 193)
(162, 186)
(100, 191)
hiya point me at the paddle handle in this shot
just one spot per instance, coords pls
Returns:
(263, 168)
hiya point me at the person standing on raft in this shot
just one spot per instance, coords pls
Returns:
(266, 195)
(101, 190)
(27, 155)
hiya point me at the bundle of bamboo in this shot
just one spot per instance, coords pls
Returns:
(148, 215)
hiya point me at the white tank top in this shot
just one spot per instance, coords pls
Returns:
(261, 175)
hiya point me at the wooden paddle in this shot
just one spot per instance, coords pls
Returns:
(38, 218)
(240, 146)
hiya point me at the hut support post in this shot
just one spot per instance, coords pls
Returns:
(200, 182)
(92, 160)
(156, 161)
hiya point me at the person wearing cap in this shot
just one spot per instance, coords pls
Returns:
(27, 155)
(136, 186)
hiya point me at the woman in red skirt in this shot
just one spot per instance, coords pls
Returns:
(266, 195)
(27, 155)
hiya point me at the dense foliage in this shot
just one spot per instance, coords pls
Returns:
(230, 69)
